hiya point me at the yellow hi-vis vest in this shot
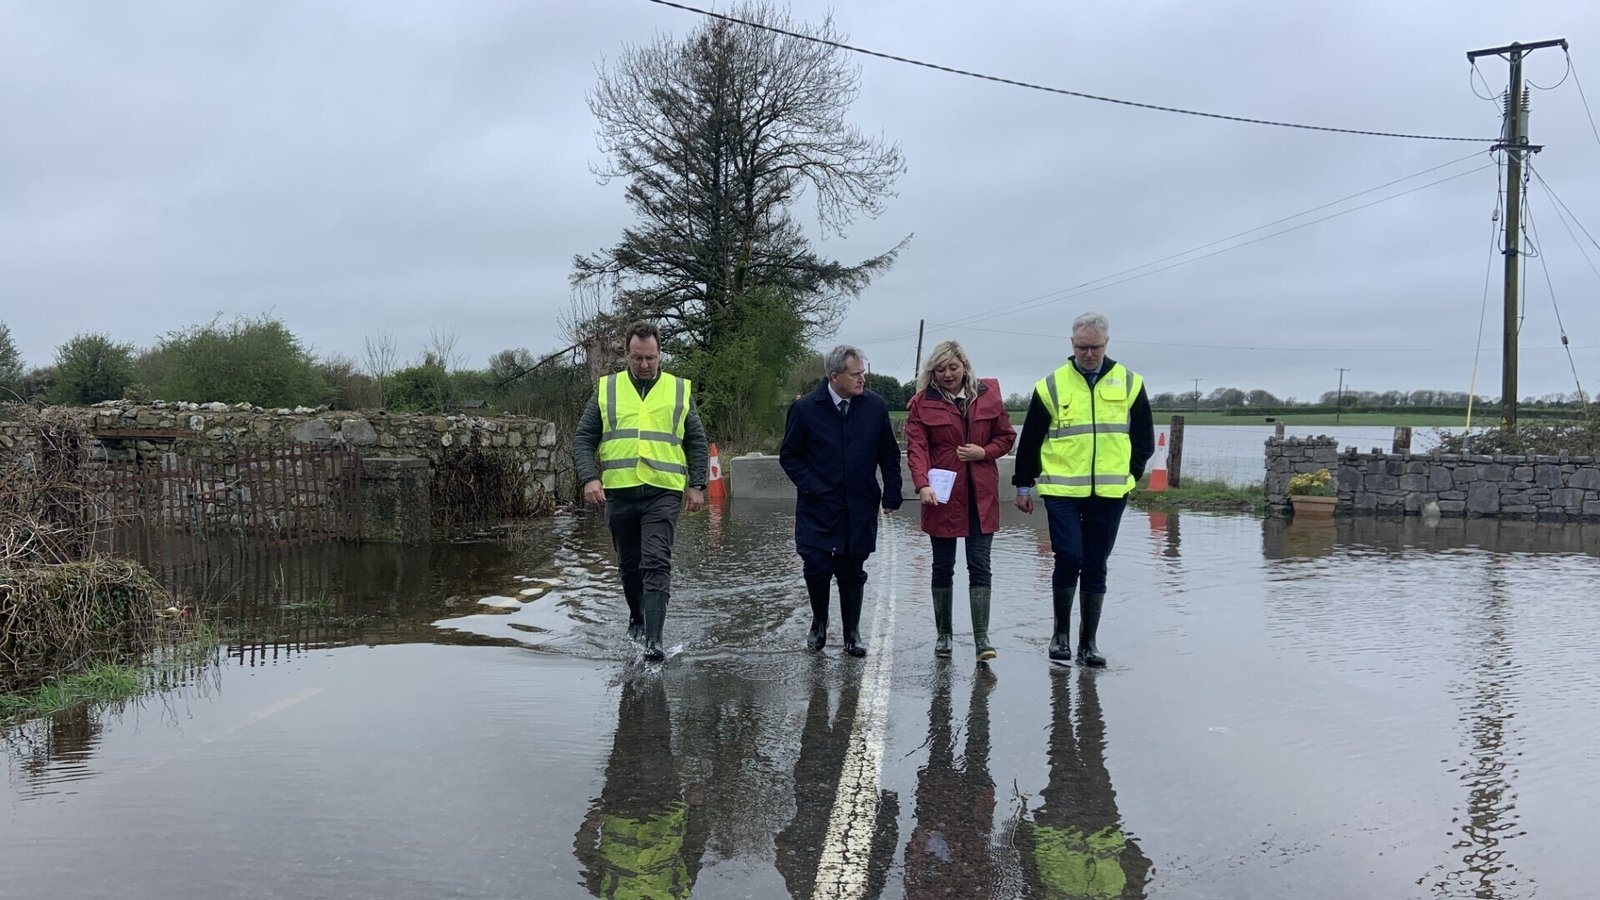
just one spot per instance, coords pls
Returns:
(644, 857)
(1087, 451)
(641, 440)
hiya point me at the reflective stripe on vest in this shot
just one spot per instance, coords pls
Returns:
(641, 439)
(1087, 449)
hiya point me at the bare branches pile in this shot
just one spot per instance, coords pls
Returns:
(474, 485)
(62, 605)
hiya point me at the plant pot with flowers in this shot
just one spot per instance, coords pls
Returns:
(1311, 494)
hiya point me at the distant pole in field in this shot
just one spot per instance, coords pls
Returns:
(1196, 396)
(1338, 408)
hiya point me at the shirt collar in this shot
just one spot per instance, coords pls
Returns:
(835, 395)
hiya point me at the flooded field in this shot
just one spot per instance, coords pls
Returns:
(1311, 710)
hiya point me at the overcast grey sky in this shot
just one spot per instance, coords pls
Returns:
(351, 166)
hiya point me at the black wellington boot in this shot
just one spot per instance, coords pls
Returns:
(655, 615)
(850, 617)
(941, 621)
(1061, 642)
(817, 588)
(1088, 654)
(634, 591)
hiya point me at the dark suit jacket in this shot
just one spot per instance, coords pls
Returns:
(834, 462)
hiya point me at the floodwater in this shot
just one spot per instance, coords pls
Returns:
(1312, 710)
(1233, 453)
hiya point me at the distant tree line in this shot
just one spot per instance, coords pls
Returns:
(260, 361)
(1230, 398)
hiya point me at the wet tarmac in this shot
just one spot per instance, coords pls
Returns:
(1312, 710)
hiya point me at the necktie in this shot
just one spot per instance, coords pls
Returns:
(844, 407)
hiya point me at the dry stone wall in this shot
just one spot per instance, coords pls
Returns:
(1557, 488)
(218, 430)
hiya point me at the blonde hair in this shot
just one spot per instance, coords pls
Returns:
(943, 353)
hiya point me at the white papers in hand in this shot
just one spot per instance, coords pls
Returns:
(941, 480)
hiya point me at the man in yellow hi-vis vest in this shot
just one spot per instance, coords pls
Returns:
(641, 453)
(1083, 447)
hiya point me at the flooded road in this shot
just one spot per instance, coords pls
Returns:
(1310, 710)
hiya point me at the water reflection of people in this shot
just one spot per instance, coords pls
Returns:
(1074, 845)
(641, 839)
(803, 843)
(949, 854)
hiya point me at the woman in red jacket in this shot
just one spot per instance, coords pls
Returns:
(959, 424)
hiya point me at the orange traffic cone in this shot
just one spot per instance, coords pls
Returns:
(716, 488)
(1158, 465)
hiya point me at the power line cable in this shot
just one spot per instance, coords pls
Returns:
(1086, 289)
(1055, 90)
(1561, 326)
(1536, 85)
(1234, 236)
(1275, 348)
(1582, 250)
(1584, 97)
(1493, 97)
(1488, 272)
(1086, 286)
(1562, 204)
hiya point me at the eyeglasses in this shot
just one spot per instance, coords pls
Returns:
(1091, 348)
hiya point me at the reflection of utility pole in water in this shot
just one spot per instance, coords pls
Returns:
(1074, 846)
(1491, 804)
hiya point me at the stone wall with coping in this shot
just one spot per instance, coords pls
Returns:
(218, 430)
(1554, 488)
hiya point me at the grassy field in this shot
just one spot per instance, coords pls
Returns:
(1416, 420)
(1216, 496)
(1490, 417)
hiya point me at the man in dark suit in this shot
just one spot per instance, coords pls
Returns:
(838, 438)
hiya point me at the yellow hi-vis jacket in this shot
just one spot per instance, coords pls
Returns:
(641, 439)
(1087, 451)
(644, 857)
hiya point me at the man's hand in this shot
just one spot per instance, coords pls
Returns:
(889, 512)
(970, 453)
(694, 500)
(1024, 502)
(929, 497)
(593, 493)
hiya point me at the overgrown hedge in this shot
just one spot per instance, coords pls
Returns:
(61, 617)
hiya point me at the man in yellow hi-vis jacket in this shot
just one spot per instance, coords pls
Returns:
(1083, 447)
(641, 453)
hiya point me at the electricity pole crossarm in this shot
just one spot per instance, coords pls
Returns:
(1514, 143)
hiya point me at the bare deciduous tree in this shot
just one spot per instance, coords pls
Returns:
(720, 135)
(381, 357)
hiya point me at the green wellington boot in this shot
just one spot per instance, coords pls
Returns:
(978, 599)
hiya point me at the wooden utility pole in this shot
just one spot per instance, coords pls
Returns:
(916, 370)
(1514, 141)
(1338, 406)
(1196, 394)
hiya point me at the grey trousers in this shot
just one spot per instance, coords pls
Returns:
(643, 522)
